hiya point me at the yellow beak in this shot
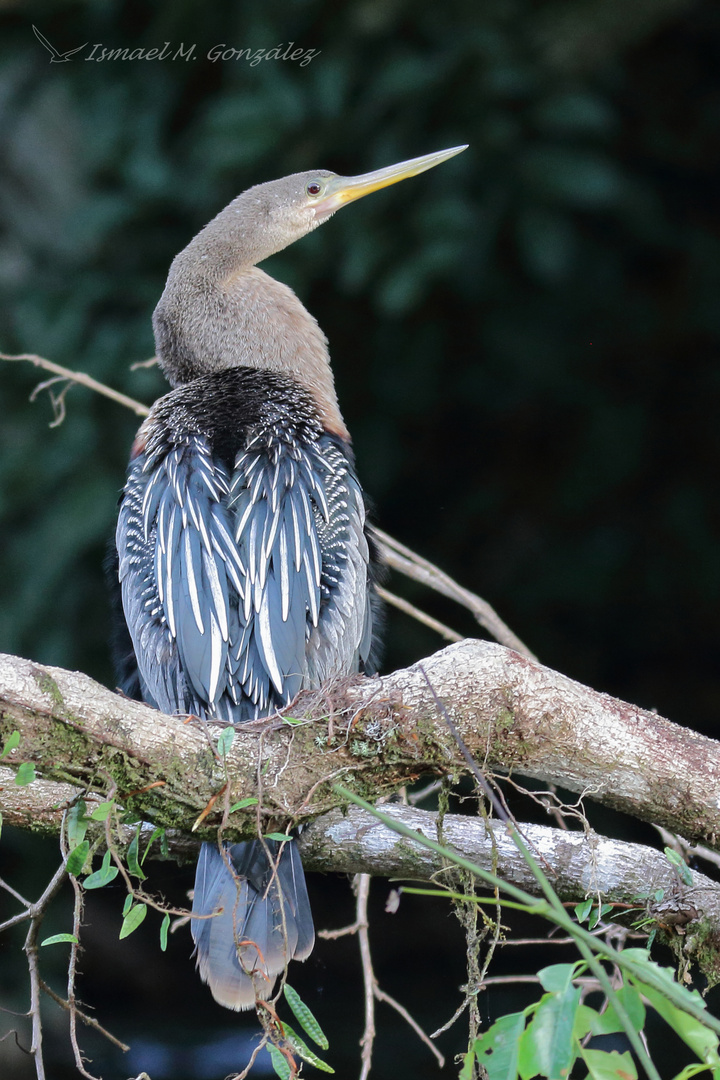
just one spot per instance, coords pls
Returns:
(344, 189)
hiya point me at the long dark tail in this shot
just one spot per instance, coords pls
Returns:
(264, 921)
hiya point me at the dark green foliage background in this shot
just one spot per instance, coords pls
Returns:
(525, 340)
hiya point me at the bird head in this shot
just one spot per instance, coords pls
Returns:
(287, 209)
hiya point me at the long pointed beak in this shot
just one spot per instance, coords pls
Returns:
(344, 189)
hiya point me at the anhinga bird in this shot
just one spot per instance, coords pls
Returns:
(243, 561)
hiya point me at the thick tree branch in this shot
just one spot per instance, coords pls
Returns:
(577, 864)
(376, 734)
(352, 841)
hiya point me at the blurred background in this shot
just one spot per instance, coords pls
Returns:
(525, 343)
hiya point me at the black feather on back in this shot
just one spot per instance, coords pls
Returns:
(243, 557)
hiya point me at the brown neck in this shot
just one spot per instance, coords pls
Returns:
(225, 316)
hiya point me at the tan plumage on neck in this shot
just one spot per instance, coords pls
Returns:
(279, 334)
(248, 320)
(220, 311)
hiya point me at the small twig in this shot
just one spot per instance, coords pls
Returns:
(381, 995)
(362, 892)
(416, 567)
(90, 1021)
(37, 913)
(72, 970)
(22, 916)
(16, 895)
(77, 377)
(417, 613)
(246, 1071)
(344, 931)
(417, 796)
(138, 894)
(57, 400)
(502, 980)
(553, 805)
(13, 1033)
(455, 1017)
(72, 964)
(688, 851)
(373, 992)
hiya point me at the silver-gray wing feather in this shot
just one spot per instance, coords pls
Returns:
(239, 589)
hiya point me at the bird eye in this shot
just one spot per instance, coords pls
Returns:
(313, 188)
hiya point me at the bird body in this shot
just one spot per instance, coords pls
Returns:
(244, 570)
(244, 564)
(243, 559)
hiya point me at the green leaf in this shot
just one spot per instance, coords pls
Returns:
(698, 1037)
(242, 804)
(279, 1063)
(57, 938)
(630, 1000)
(102, 811)
(546, 1047)
(557, 977)
(467, 1071)
(77, 858)
(132, 856)
(586, 1021)
(600, 914)
(279, 836)
(659, 893)
(304, 1051)
(103, 876)
(132, 920)
(76, 823)
(128, 903)
(11, 743)
(164, 927)
(498, 1048)
(304, 1017)
(25, 774)
(225, 741)
(680, 865)
(609, 1066)
(693, 1070)
(293, 720)
(583, 910)
(99, 878)
(157, 833)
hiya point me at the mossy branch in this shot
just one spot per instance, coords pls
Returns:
(376, 735)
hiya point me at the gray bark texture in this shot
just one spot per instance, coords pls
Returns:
(374, 735)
